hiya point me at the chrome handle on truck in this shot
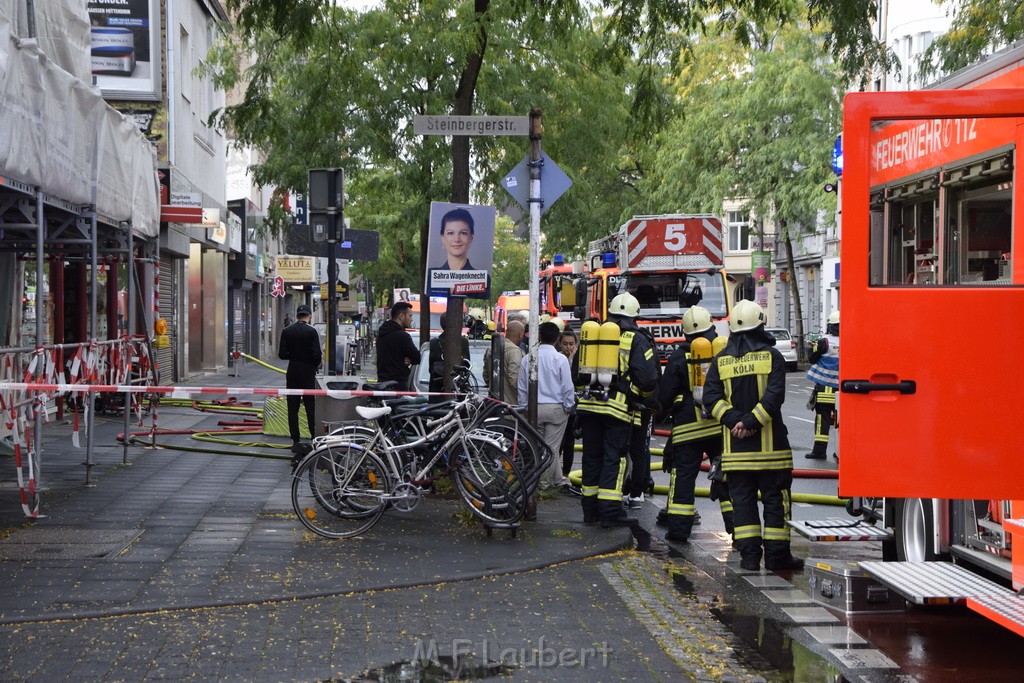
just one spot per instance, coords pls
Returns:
(863, 386)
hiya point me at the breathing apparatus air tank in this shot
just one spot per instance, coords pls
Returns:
(700, 355)
(608, 354)
(589, 335)
(717, 345)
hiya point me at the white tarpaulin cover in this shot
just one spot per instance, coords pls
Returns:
(57, 133)
(62, 31)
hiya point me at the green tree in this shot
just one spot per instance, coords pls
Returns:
(977, 28)
(511, 260)
(393, 68)
(757, 126)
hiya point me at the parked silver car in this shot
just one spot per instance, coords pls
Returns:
(477, 348)
(785, 343)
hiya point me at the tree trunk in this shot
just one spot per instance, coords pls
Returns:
(462, 105)
(425, 292)
(794, 291)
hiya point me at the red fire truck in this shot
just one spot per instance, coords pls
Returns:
(511, 303)
(557, 289)
(669, 262)
(932, 298)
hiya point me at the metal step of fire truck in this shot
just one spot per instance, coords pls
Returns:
(840, 529)
(932, 583)
(945, 583)
(924, 583)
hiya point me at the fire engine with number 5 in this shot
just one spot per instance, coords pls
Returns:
(669, 262)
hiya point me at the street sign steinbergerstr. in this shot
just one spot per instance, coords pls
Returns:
(470, 125)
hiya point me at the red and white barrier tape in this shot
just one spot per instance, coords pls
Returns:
(188, 392)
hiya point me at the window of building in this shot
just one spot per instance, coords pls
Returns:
(185, 64)
(739, 232)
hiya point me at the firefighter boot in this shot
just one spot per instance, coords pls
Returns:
(750, 553)
(777, 556)
(623, 520)
(679, 528)
(818, 452)
(662, 519)
(611, 513)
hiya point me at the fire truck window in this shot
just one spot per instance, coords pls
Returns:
(669, 294)
(912, 259)
(940, 212)
(979, 230)
(647, 296)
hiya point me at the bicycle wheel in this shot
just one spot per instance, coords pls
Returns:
(489, 482)
(526, 451)
(339, 491)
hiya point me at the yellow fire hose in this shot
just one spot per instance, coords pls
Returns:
(266, 365)
(576, 477)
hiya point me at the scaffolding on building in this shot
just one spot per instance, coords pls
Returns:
(78, 184)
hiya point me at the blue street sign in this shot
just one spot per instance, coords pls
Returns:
(837, 156)
(553, 182)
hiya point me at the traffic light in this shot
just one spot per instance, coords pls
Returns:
(326, 204)
(326, 189)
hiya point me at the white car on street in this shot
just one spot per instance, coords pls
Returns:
(785, 343)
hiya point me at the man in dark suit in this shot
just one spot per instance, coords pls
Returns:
(300, 346)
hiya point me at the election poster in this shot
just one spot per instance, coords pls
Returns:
(460, 251)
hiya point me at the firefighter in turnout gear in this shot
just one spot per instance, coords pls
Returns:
(608, 410)
(694, 431)
(825, 374)
(745, 390)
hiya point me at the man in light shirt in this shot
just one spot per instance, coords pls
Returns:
(556, 399)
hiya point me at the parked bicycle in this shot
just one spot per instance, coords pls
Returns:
(360, 470)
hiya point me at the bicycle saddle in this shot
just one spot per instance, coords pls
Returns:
(368, 413)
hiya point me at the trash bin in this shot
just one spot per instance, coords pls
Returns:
(330, 410)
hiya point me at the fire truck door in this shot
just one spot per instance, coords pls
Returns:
(931, 396)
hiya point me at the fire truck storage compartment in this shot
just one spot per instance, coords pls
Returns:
(845, 587)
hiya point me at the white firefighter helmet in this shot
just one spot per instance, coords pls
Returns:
(477, 313)
(624, 304)
(696, 320)
(834, 318)
(746, 315)
(559, 323)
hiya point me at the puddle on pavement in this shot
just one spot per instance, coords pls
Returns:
(768, 649)
(441, 669)
(791, 660)
(649, 543)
